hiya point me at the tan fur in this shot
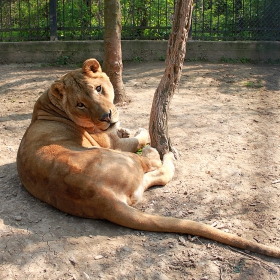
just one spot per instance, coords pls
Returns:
(73, 157)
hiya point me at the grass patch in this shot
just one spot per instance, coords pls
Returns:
(137, 59)
(254, 84)
(63, 60)
(273, 61)
(236, 61)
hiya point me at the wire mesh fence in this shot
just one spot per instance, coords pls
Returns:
(256, 20)
(41, 20)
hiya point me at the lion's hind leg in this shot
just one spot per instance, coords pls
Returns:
(162, 175)
(158, 177)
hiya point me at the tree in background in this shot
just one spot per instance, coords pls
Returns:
(112, 64)
(175, 56)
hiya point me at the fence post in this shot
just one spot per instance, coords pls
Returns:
(190, 33)
(53, 21)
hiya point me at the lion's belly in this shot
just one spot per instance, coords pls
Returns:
(68, 176)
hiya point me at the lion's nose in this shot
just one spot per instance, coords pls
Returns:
(106, 117)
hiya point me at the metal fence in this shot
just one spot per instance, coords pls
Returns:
(256, 20)
(42, 20)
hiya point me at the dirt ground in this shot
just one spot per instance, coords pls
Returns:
(224, 121)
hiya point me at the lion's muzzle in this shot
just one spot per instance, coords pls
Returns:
(106, 117)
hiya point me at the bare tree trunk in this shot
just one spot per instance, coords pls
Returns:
(175, 56)
(112, 64)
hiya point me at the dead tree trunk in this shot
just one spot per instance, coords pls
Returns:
(112, 64)
(175, 56)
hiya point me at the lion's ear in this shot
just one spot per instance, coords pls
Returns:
(57, 89)
(91, 66)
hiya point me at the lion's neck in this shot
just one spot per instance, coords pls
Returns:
(46, 107)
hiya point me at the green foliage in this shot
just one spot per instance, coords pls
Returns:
(147, 19)
(237, 19)
(139, 152)
(233, 61)
(80, 19)
(27, 20)
(273, 61)
(259, 83)
(138, 59)
(63, 60)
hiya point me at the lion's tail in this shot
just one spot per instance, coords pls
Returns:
(130, 217)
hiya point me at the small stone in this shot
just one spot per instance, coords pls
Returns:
(72, 260)
(18, 218)
(98, 257)
(86, 275)
(126, 249)
(182, 240)
(214, 224)
(220, 226)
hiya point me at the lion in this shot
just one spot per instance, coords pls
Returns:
(76, 157)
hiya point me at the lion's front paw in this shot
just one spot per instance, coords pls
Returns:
(142, 132)
(123, 132)
(143, 137)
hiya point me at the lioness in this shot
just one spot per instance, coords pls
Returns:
(75, 157)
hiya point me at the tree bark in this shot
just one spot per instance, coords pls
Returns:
(175, 55)
(112, 64)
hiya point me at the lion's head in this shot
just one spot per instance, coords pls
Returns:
(86, 95)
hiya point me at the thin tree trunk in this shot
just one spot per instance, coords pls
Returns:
(175, 56)
(112, 64)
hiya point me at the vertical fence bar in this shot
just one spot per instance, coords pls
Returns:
(1, 21)
(62, 20)
(19, 21)
(10, 20)
(29, 20)
(72, 22)
(99, 21)
(210, 28)
(226, 21)
(38, 20)
(53, 21)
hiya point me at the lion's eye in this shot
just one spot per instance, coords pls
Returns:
(80, 105)
(98, 89)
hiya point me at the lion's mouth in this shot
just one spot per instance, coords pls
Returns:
(113, 124)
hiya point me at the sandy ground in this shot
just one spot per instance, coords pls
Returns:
(224, 121)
